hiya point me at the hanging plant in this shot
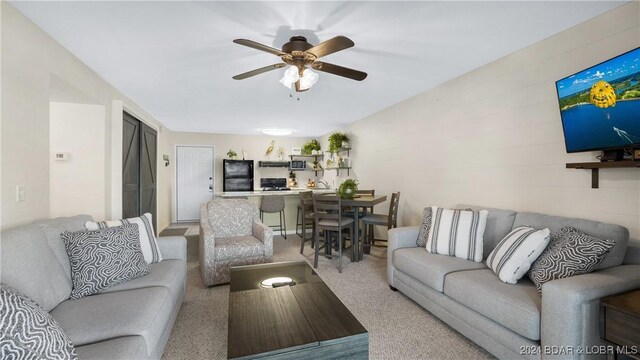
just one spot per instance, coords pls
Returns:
(336, 139)
(348, 188)
(310, 146)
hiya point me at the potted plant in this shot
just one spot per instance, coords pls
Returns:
(336, 141)
(348, 188)
(310, 146)
(232, 154)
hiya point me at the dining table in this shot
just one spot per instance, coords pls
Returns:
(360, 204)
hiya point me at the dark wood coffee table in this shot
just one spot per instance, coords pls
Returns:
(303, 321)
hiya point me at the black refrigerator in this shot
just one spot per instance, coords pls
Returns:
(237, 175)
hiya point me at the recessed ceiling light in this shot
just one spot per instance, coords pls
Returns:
(277, 132)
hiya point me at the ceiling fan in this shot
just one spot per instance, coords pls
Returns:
(303, 57)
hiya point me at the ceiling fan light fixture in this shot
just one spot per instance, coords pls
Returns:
(290, 76)
(308, 79)
(277, 132)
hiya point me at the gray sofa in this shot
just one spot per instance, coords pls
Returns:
(514, 321)
(132, 320)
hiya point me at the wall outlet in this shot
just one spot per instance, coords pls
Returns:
(21, 193)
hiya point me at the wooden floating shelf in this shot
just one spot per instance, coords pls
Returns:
(596, 166)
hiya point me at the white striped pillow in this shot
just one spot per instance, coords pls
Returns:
(148, 242)
(457, 233)
(514, 254)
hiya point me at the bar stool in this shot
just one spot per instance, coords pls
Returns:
(272, 204)
(390, 221)
(307, 195)
(327, 211)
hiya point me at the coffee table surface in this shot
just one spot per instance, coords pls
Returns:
(302, 321)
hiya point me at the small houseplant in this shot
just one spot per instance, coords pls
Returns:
(232, 154)
(348, 188)
(310, 146)
(336, 139)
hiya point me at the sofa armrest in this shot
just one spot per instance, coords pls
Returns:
(265, 234)
(173, 247)
(402, 237)
(571, 306)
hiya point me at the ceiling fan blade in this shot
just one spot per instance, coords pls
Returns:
(254, 45)
(261, 70)
(339, 70)
(330, 46)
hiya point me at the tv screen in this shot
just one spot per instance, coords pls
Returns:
(600, 106)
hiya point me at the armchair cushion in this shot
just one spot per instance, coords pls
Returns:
(231, 217)
(238, 247)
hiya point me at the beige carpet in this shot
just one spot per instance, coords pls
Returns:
(398, 327)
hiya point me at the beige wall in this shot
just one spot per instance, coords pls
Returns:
(77, 185)
(30, 60)
(493, 136)
(255, 146)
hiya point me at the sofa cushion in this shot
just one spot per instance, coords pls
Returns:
(128, 347)
(499, 224)
(457, 233)
(516, 307)
(428, 268)
(145, 312)
(513, 256)
(571, 252)
(103, 258)
(53, 228)
(146, 236)
(28, 264)
(29, 332)
(238, 247)
(617, 233)
(168, 273)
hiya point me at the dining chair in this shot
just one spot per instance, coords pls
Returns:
(272, 204)
(327, 211)
(390, 221)
(350, 213)
(306, 208)
(299, 220)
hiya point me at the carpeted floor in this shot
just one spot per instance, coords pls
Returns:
(398, 328)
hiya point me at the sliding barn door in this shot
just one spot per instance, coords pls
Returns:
(139, 173)
(148, 178)
(130, 167)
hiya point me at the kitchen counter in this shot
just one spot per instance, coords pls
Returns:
(293, 191)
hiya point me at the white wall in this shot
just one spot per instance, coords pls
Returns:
(77, 185)
(493, 137)
(30, 60)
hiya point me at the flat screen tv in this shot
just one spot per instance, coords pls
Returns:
(600, 106)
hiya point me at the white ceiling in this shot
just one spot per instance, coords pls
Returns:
(176, 59)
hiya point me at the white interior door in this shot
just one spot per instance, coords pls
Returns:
(194, 180)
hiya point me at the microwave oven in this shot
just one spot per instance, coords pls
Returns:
(298, 165)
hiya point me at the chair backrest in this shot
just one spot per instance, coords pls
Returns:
(306, 200)
(272, 203)
(366, 192)
(231, 217)
(393, 210)
(327, 207)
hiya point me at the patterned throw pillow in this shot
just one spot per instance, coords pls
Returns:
(570, 252)
(457, 233)
(423, 235)
(29, 332)
(147, 237)
(514, 254)
(103, 258)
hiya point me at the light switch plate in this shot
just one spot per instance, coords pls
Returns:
(61, 156)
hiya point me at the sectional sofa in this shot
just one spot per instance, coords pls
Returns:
(132, 320)
(514, 321)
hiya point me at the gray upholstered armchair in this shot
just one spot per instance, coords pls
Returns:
(231, 234)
